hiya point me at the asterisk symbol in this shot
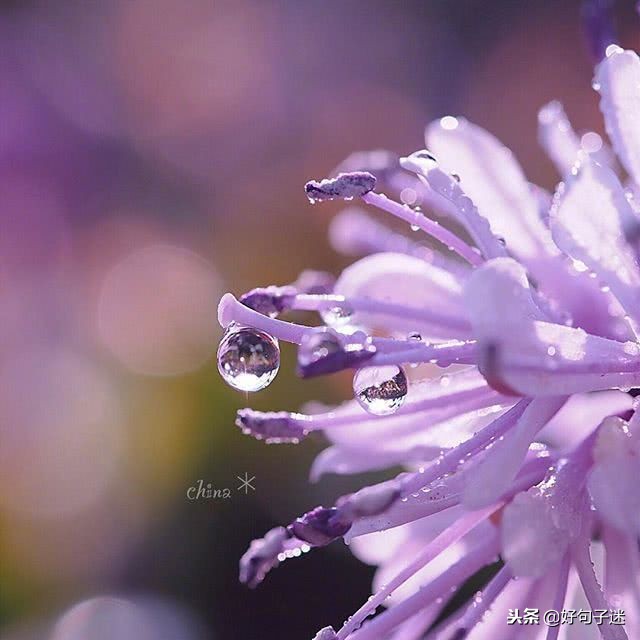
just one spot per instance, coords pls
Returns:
(246, 483)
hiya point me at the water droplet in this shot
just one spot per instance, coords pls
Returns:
(338, 315)
(408, 195)
(380, 390)
(456, 177)
(449, 123)
(248, 359)
(318, 344)
(414, 335)
(415, 227)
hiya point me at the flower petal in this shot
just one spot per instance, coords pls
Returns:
(588, 221)
(531, 543)
(557, 137)
(562, 144)
(615, 474)
(401, 279)
(493, 179)
(539, 525)
(415, 439)
(494, 624)
(529, 355)
(581, 415)
(618, 81)
(503, 460)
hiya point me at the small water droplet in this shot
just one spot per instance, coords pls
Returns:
(449, 123)
(415, 227)
(415, 336)
(338, 315)
(248, 359)
(318, 344)
(380, 390)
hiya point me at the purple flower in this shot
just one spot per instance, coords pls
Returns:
(527, 450)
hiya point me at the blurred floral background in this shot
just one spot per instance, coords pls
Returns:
(152, 156)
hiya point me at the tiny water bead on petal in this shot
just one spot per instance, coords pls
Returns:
(337, 316)
(269, 301)
(317, 345)
(380, 390)
(324, 350)
(248, 359)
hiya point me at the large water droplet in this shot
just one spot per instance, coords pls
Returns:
(338, 315)
(248, 359)
(380, 390)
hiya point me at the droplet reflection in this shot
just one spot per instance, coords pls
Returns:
(380, 390)
(248, 359)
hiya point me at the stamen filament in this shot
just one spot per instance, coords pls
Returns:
(478, 606)
(595, 597)
(450, 460)
(560, 595)
(442, 354)
(441, 542)
(430, 227)
(450, 323)
(438, 587)
(477, 398)
(231, 310)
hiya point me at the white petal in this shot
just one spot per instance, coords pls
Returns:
(618, 81)
(401, 279)
(495, 473)
(531, 544)
(557, 137)
(588, 221)
(535, 357)
(494, 180)
(615, 475)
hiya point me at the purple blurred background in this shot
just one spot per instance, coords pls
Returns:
(152, 156)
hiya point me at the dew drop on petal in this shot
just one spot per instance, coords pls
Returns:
(338, 315)
(380, 390)
(449, 123)
(248, 359)
(317, 345)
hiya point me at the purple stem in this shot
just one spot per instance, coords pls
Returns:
(584, 566)
(413, 217)
(438, 587)
(451, 324)
(561, 594)
(231, 310)
(479, 605)
(465, 400)
(441, 542)
(449, 461)
(443, 354)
